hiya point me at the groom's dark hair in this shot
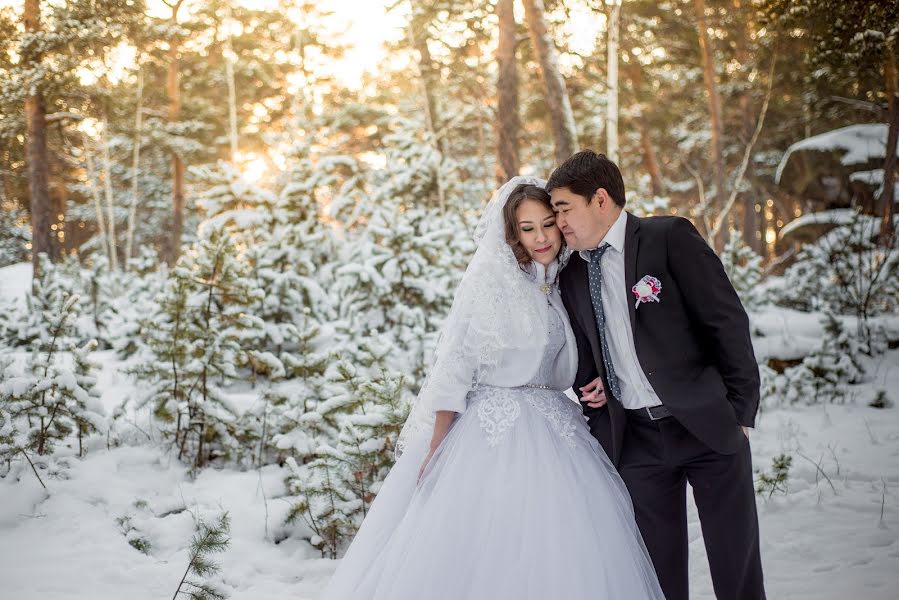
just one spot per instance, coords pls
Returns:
(585, 172)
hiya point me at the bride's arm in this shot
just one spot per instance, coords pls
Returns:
(442, 423)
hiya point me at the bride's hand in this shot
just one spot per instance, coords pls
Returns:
(593, 394)
(424, 464)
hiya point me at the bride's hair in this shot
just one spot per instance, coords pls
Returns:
(519, 195)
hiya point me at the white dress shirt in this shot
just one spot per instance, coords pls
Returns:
(636, 391)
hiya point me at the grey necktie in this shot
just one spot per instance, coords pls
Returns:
(595, 281)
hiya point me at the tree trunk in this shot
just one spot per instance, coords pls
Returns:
(59, 196)
(508, 123)
(612, 82)
(650, 161)
(561, 116)
(428, 82)
(887, 197)
(135, 167)
(174, 94)
(36, 152)
(634, 73)
(750, 217)
(110, 199)
(229, 58)
(98, 204)
(711, 89)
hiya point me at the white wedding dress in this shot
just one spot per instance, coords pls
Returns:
(519, 502)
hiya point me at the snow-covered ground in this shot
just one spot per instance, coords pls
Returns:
(834, 534)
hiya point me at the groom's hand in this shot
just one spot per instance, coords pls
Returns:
(594, 394)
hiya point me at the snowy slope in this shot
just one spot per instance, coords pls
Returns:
(818, 541)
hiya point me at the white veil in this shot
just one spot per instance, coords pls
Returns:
(493, 311)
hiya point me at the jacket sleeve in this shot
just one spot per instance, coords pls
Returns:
(586, 366)
(452, 374)
(715, 308)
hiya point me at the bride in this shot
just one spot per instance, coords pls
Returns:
(510, 496)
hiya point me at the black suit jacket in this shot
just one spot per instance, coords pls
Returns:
(693, 345)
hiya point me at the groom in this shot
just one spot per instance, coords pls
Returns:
(656, 318)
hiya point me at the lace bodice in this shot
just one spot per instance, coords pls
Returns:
(555, 343)
(498, 408)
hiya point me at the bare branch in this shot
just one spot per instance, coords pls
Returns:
(862, 105)
(744, 164)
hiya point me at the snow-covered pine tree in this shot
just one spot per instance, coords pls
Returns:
(325, 501)
(49, 294)
(414, 167)
(844, 349)
(14, 223)
(231, 199)
(102, 288)
(161, 366)
(286, 266)
(298, 429)
(368, 437)
(770, 392)
(221, 300)
(398, 277)
(846, 270)
(196, 344)
(146, 278)
(337, 181)
(10, 445)
(50, 398)
(744, 268)
(84, 397)
(824, 374)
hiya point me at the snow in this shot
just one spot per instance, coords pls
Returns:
(874, 177)
(860, 144)
(833, 534)
(837, 216)
(69, 544)
(817, 542)
(15, 282)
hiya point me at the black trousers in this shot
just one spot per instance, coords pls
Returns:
(658, 458)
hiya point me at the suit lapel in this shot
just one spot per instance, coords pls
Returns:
(631, 243)
(584, 307)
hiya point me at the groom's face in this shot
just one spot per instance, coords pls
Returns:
(581, 222)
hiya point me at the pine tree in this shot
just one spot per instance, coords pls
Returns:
(16, 234)
(298, 429)
(823, 375)
(325, 501)
(50, 292)
(208, 539)
(744, 268)
(84, 397)
(144, 282)
(776, 481)
(845, 271)
(50, 398)
(10, 444)
(103, 288)
(368, 438)
(397, 277)
(231, 200)
(196, 345)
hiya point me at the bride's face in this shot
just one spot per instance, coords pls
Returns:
(537, 231)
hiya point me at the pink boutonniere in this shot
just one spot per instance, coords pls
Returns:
(647, 290)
